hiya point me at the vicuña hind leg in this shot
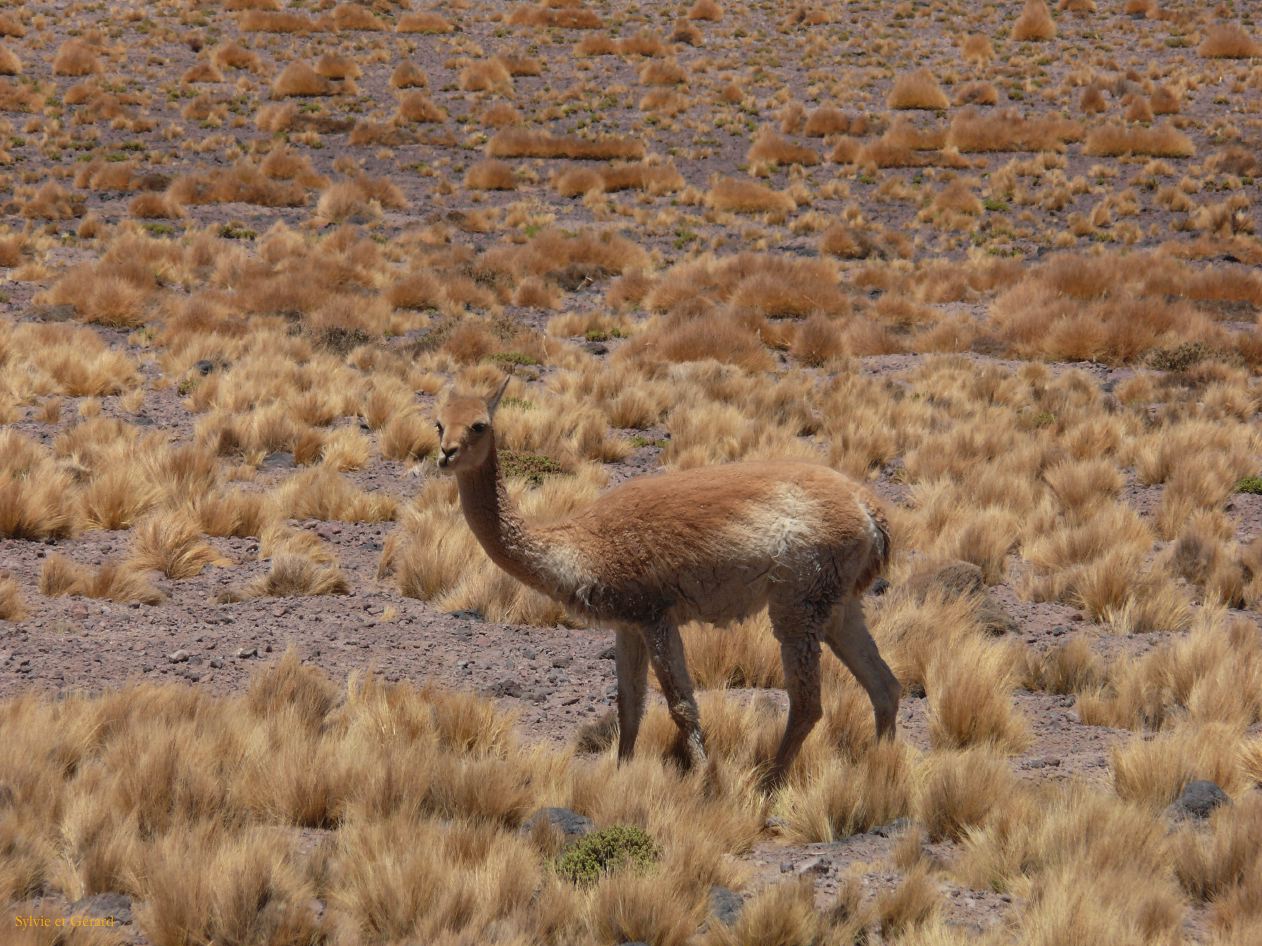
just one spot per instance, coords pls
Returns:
(666, 652)
(847, 634)
(631, 658)
(798, 635)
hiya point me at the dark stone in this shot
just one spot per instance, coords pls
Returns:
(281, 460)
(577, 275)
(1198, 800)
(505, 687)
(879, 587)
(104, 905)
(596, 348)
(897, 826)
(205, 366)
(53, 313)
(725, 905)
(466, 615)
(571, 824)
(957, 579)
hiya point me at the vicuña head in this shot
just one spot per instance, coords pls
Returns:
(713, 544)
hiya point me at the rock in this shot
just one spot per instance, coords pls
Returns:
(897, 826)
(466, 615)
(179, 657)
(596, 348)
(216, 663)
(245, 653)
(879, 587)
(53, 313)
(608, 653)
(786, 867)
(571, 824)
(775, 824)
(816, 865)
(1198, 800)
(725, 905)
(280, 460)
(958, 579)
(204, 367)
(116, 906)
(505, 687)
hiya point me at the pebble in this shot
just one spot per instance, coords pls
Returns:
(244, 653)
(179, 657)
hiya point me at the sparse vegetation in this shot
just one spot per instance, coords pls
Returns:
(998, 260)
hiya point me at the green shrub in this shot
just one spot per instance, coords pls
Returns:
(529, 466)
(613, 848)
(1250, 484)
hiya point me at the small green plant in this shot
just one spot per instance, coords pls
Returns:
(518, 402)
(1180, 357)
(514, 358)
(614, 848)
(639, 440)
(1250, 484)
(995, 204)
(236, 231)
(532, 467)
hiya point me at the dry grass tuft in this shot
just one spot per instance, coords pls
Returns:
(1228, 41)
(1035, 23)
(170, 542)
(1162, 141)
(114, 582)
(12, 605)
(918, 90)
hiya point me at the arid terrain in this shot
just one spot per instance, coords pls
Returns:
(260, 685)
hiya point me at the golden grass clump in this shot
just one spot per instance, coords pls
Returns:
(918, 90)
(488, 75)
(733, 195)
(1162, 141)
(300, 80)
(522, 143)
(112, 581)
(772, 149)
(970, 698)
(960, 791)
(12, 605)
(75, 58)
(417, 107)
(490, 175)
(10, 64)
(36, 497)
(1035, 23)
(171, 543)
(423, 22)
(295, 575)
(707, 10)
(1228, 41)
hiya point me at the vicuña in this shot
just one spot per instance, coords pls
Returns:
(713, 544)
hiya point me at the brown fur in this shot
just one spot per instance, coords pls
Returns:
(713, 544)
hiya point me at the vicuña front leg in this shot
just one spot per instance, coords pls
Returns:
(666, 652)
(631, 658)
(847, 634)
(799, 654)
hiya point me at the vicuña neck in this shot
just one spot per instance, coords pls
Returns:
(493, 517)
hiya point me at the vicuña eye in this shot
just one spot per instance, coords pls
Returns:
(479, 427)
(438, 427)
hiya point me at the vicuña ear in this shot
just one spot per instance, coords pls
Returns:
(493, 401)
